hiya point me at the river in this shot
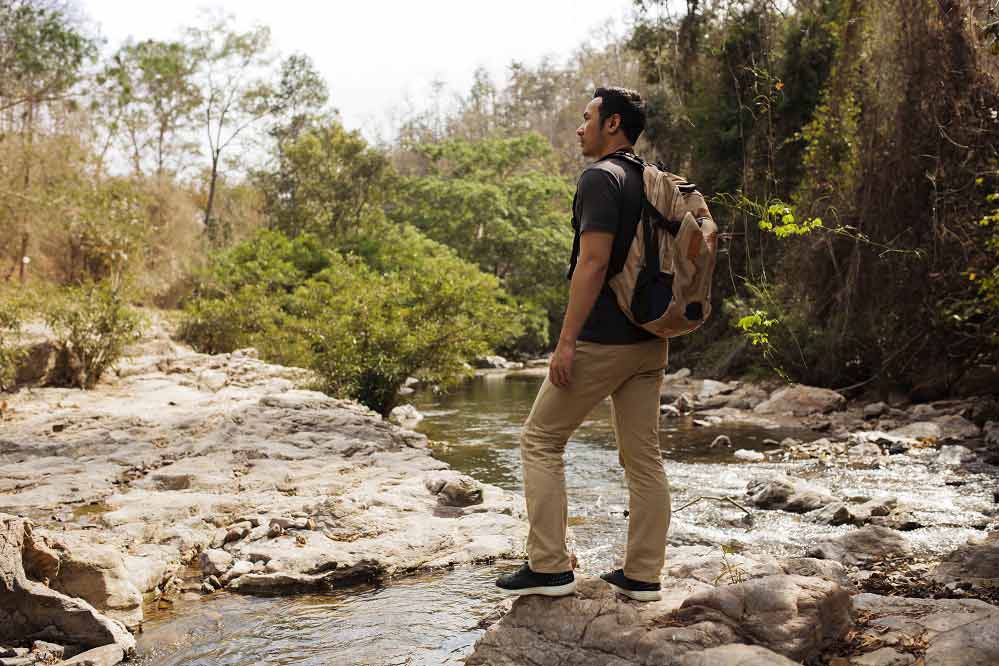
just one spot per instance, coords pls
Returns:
(433, 618)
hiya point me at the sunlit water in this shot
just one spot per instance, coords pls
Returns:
(432, 618)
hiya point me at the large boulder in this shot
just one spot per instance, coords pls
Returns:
(796, 616)
(787, 494)
(976, 563)
(800, 400)
(785, 617)
(29, 608)
(862, 545)
(97, 573)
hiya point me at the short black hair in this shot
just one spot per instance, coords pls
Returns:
(626, 102)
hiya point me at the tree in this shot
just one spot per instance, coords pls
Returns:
(497, 203)
(154, 98)
(42, 51)
(327, 182)
(239, 91)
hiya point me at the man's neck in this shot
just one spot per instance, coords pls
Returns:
(622, 147)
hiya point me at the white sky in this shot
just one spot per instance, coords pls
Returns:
(377, 56)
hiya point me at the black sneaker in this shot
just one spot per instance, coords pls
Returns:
(635, 589)
(524, 581)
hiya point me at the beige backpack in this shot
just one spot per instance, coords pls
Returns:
(667, 291)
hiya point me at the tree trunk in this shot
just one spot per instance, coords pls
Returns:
(209, 224)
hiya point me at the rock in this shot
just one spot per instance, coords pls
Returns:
(974, 563)
(669, 411)
(825, 569)
(972, 643)
(747, 454)
(593, 627)
(991, 431)
(17, 661)
(954, 427)
(842, 513)
(405, 416)
(955, 454)
(721, 440)
(454, 489)
(711, 388)
(735, 654)
(885, 656)
(958, 632)
(43, 648)
(861, 545)
(866, 450)
(684, 404)
(207, 587)
(215, 562)
(96, 573)
(874, 410)
(238, 569)
(682, 373)
(107, 655)
(30, 608)
(787, 494)
(984, 410)
(494, 362)
(795, 616)
(800, 400)
(288, 583)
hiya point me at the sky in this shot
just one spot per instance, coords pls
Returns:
(381, 57)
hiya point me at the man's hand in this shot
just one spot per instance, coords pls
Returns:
(560, 367)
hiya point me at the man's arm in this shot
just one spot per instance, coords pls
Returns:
(587, 281)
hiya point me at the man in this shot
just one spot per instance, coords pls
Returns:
(600, 353)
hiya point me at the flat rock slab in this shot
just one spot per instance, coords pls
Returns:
(185, 453)
(957, 632)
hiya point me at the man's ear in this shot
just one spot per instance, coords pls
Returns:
(614, 123)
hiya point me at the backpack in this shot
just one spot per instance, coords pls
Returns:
(667, 291)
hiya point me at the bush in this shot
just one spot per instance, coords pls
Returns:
(12, 309)
(93, 324)
(392, 304)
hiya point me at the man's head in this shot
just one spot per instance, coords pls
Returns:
(613, 119)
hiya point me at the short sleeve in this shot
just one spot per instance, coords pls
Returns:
(599, 195)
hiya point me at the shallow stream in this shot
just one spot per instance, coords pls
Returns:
(432, 618)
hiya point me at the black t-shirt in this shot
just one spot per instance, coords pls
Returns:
(609, 198)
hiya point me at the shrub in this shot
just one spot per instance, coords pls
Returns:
(12, 309)
(389, 305)
(93, 324)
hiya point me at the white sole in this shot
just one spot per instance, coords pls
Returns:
(638, 595)
(546, 591)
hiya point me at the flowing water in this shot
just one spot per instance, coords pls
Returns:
(432, 618)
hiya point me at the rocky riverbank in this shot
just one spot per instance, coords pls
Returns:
(868, 594)
(183, 474)
(186, 473)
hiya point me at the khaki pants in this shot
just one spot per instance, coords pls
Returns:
(632, 376)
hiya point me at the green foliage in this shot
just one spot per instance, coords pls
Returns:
(328, 182)
(389, 305)
(12, 311)
(93, 324)
(498, 204)
(108, 230)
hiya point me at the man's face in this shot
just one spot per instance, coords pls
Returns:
(593, 136)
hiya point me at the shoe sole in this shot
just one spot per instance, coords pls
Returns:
(545, 591)
(638, 595)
